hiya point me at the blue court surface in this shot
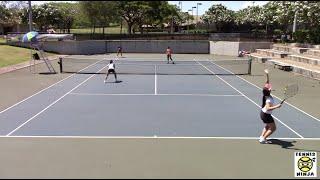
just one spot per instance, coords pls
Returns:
(153, 104)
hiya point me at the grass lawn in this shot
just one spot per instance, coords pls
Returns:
(10, 55)
(2, 40)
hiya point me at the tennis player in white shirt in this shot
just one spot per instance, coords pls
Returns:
(266, 111)
(111, 69)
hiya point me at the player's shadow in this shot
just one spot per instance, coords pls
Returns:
(115, 81)
(48, 73)
(288, 145)
(282, 143)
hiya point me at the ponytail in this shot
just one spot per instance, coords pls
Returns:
(263, 101)
(266, 92)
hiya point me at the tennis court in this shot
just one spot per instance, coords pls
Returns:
(196, 118)
(192, 98)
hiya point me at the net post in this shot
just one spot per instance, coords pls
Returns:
(60, 64)
(250, 64)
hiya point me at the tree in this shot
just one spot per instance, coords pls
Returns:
(90, 9)
(219, 15)
(284, 14)
(251, 15)
(10, 12)
(44, 16)
(308, 13)
(170, 15)
(67, 14)
(100, 13)
(267, 13)
(133, 12)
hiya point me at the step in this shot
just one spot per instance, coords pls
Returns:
(301, 45)
(281, 48)
(272, 53)
(258, 57)
(313, 52)
(297, 67)
(289, 49)
(305, 59)
(280, 65)
(317, 46)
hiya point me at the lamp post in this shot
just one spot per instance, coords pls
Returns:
(180, 5)
(192, 13)
(198, 4)
(30, 29)
(294, 28)
(30, 16)
(192, 9)
(189, 19)
(295, 22)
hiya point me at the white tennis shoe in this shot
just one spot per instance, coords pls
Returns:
(264, 141)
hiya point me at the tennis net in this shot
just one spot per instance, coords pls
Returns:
(152, 67)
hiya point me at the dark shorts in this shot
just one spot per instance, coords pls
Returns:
(266, 118)
(111, 71)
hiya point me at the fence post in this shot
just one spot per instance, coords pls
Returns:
(60, 64)
(250, 65)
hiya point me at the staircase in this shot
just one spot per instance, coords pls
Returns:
(302, 59)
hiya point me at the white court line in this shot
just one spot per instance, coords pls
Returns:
(272, 95)
(53, 103)
(46, 88)
(252, 101)
(139, 64)
(155, 80)
(156, 137)
(147, 58)
(102, 94)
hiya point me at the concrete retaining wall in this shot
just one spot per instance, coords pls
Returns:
(143, 46)
(129, 46)
(149, 46)
(232, 48)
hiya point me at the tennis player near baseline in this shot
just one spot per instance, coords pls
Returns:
(169, 53)
(111, 69)
(266, 111)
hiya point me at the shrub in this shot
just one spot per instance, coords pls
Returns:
(301, 36)
(314, 36)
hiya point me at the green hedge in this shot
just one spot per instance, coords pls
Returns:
(307, 36)
(314, 36)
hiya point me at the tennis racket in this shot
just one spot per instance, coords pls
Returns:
(290, 91)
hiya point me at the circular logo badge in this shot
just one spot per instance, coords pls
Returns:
(305, 164)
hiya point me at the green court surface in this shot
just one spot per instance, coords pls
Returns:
(149, 158)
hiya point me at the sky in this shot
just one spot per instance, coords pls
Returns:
(187, 5)
(232, 5)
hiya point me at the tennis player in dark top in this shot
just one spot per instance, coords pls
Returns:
(119, 51)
